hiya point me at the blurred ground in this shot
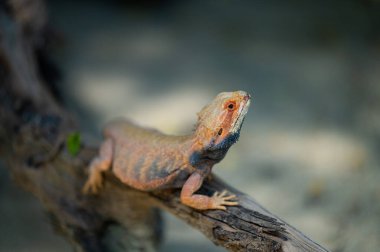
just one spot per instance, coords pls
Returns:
(309, 147)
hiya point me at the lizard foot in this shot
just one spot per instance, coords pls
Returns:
(93, 184)
(220, 200)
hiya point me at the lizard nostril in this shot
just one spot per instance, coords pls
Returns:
(220, 131)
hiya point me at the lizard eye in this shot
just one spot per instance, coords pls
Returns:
(230, 106)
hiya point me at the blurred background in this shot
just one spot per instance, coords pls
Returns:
(309, 147)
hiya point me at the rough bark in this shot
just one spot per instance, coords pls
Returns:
(33, 131)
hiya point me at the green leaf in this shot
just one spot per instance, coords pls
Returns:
(73, 143)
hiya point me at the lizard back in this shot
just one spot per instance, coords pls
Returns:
(146, 158)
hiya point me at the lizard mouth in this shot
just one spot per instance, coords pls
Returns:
(241, 114)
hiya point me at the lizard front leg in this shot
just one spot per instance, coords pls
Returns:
(97, 166)
(203, 202)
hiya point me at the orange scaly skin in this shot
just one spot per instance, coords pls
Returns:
(149, 160)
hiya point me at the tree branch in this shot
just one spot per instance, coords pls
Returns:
(33, 133)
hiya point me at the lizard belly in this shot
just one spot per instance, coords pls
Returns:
(180, 179)
(145, 170)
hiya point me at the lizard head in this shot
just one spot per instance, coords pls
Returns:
(219, 122)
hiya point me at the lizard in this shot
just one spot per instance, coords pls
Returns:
(149, 160)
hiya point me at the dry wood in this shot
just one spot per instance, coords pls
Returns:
(33, 132)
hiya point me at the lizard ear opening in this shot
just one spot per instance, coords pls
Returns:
(220, 131)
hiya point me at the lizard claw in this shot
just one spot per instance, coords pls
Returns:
(220, 200)
(93, 184)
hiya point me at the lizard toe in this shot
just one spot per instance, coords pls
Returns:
(230, 197)
(230, 203)
(223, 193)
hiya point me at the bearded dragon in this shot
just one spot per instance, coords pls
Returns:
(148, 160)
